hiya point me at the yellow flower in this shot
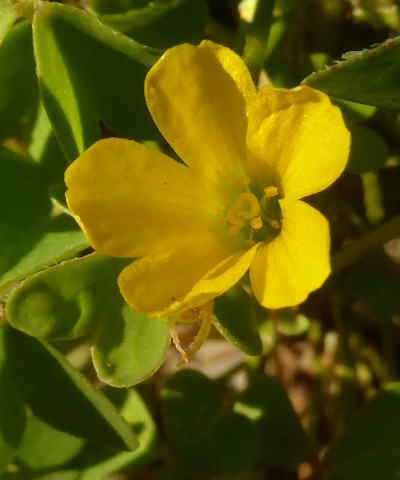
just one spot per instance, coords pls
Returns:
(233, 204)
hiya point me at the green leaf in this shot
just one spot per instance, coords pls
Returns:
(43, 446)
(45, 149)
(368, 150)
(59, 241)
(8, 15)
(199, 433)
(369, 77)
(291, 323)
(81, 296)
(78, 59)
(25, 208)
(97, 463)
(235, 320)
(18, 83)
(284, 442)
(129, 347)
(369, 450)
(161, 23)
(375, 284)
(12, 411)
(37, 240)
(60, 396)
(68, 300)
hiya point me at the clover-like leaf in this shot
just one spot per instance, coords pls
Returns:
(370, 76)
(78, 58)
(235, 320)
(202, 436)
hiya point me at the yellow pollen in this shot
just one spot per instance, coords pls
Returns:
(275, 224)
(256, 223)
(234, 230)
(245, 181)
(270, 191)
(245, 207)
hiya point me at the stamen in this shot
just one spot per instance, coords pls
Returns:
(233, 230)
(204, 314)
(271, 191)
(245, 181)
(275, 224)
(256, 223)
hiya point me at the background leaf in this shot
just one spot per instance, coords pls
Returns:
(369, 450)
(200, 434)
(283, 440)
(158, 23)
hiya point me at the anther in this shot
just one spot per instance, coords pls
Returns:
(275, 224)
(233, 230)
(256, 223)
(270, 191)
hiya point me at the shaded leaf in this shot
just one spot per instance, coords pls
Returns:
(18, 82)
(369, 77)
(369, 450)
(161, 23)
(368, 150)
(235, 320)
(284, 442)
(60, 396)
(12, 411)
(97, 463)
(201, 436)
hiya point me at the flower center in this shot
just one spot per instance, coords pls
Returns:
(255, 219)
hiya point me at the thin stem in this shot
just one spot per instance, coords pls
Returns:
(356, 250)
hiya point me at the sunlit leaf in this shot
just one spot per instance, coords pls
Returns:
(89, 74)
(43, 446)
(129, 346)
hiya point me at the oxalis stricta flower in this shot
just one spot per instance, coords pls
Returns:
(233, 205)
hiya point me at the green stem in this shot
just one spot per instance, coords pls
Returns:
(357, 249)
(256, 37)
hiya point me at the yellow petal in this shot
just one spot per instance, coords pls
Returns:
(199, 108)
(132, 200)
(183, 279)
(235, 67)
(297, 139)
(296, 262)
